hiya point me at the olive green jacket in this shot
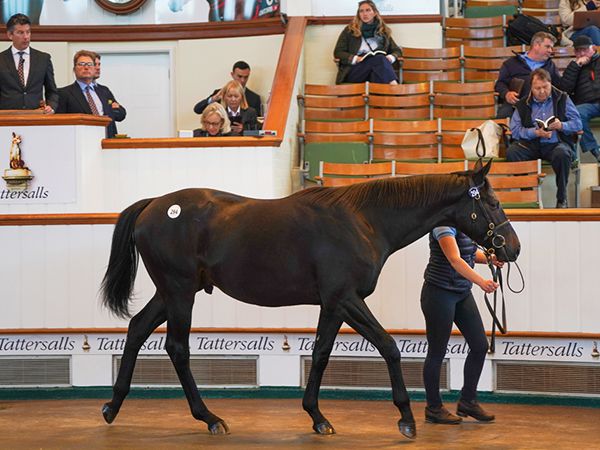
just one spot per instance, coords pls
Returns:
(347, 46)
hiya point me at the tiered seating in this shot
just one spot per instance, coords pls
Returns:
(483, 63)
(333, 141)
(480, 32)
(399, 102)
(336, 102)
(405, 140)
(517, 184)
(334, 125)
(343, 174)
(545, 10)
(464, 100)
(425, 64)
(339, 147)
(408, 168)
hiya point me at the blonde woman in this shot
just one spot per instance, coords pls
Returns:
(213, 122)
(566, 11)
(365, 49)
(242, 116)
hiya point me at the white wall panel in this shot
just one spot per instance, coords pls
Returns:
(10, 278)
(588, 277)
(55, 271)
(33, 298)
(56, 276)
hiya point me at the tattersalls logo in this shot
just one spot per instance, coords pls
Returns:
(18, 175)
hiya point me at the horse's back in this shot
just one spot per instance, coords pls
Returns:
(268, 252)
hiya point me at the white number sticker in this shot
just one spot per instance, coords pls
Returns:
(174, 211)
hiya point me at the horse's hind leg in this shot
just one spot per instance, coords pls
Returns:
(179, 317)
(141, 327)
(327, 330)
(356, 314)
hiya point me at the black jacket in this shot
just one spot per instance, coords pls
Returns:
(247, 118)
(559, 103)
(252, 98)
(72, 100)
(40, 83)
(583, 83)
(199, 132)
(516, 67)
(348, 45)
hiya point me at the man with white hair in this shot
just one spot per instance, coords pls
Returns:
(581, 80)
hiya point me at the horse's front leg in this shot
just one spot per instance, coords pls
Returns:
(140, 328)
(179, 319)
(356, 314)
(327, 329)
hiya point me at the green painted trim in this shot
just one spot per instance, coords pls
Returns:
(67, 393)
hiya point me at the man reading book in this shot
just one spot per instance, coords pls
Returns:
(513, 79)
(553, 140)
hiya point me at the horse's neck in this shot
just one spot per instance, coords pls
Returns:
(403, 226)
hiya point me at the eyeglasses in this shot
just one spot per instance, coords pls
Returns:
(86, 64)
(212, 124)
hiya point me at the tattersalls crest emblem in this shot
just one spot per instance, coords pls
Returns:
(18, 176)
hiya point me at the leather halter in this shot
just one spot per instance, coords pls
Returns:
(496, 240)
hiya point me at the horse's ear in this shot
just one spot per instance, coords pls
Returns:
(481, 171)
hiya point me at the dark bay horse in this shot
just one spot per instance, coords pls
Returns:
(320, 246)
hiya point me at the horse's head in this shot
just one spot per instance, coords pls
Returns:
(482, 218)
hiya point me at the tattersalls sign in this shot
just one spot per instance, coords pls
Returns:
(34, 173)
(519, 349)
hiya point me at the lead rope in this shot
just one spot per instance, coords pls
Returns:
(497, 277)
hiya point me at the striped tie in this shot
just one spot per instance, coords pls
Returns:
(91, 102)
(21, 68)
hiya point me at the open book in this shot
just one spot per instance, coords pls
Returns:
(543, 124)
(373, 53)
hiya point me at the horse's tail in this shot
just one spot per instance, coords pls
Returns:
(118, 280)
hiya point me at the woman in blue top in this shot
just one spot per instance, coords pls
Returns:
(446, 298)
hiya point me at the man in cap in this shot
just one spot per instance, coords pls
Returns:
(581, 80)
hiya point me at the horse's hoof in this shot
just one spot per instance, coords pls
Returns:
(219, 427)
(408, 429)
(109, 413)
(324, 428)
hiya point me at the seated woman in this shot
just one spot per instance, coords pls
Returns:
(242, 116)
(566, 11)
(213, 122)
(366, 50)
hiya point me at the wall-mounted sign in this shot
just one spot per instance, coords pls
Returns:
(33, 172)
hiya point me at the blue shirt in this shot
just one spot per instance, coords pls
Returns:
(544, 110)
(440, 232)
(530, 62)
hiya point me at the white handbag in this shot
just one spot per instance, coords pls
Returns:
(483, 141)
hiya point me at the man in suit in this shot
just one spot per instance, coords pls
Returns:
(240, 73)
(26, 74)
(86, 97)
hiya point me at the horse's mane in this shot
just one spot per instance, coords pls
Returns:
(394, 193)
